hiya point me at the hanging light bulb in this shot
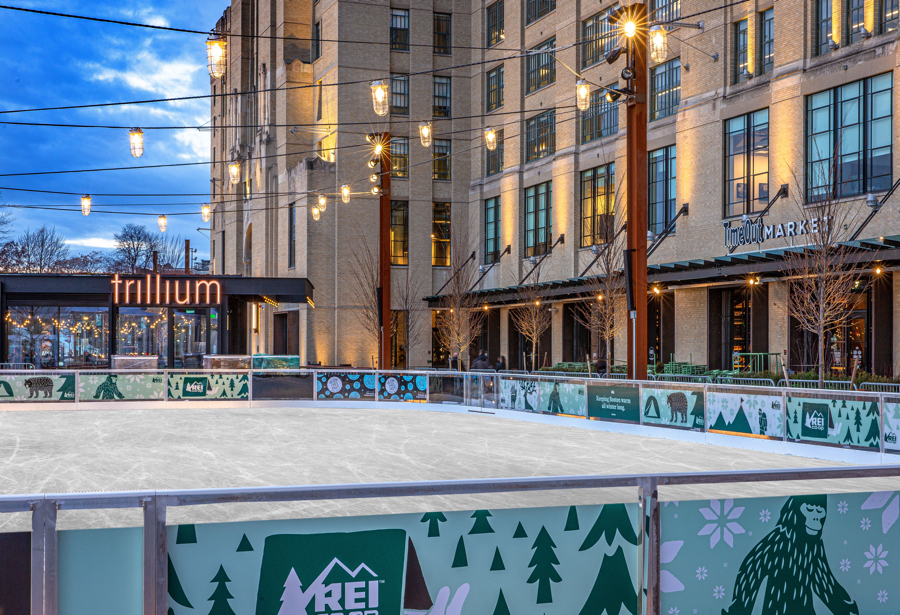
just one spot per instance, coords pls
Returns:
(372, 163)
(380, 97)
(425, 133)
(234, 173)
(204, 212)
(163, 224)
(323, 203)
(379, 148)
(630, 28)
(215, 55)
(659, 47)
(373, 177)
(345, 193)
(136, 136)
(376, 190)
(86, 204)
(582, 95)
(490, 138)
(316, 214)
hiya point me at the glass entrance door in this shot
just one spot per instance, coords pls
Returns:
(191, 335)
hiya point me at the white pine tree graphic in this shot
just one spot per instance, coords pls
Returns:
(292, 602)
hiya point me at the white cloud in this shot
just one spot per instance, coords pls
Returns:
(148, 73)
(93, 242)
(196, 144)
(144, 15)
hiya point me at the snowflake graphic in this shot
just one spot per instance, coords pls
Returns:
(719, 592)
(701, 573)
(764, 515)
(674, 611)
(842, 507)
(727, 517)
(876, 559)
(865, 523)
(882, 596)
(845, 565)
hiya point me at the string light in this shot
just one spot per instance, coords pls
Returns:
(215, 56)
(234, 172)
(323, 203)
(136, 137)
(376, 190)
(425, 133)
(86, 205)
(380, 97)
(582, 95)
(373, 177)
(204, 212)
(316, 214)
(345, 193)
(659, 48)
(162, 222)
(630, 28)
(379, 148)
(490, 138)
(372, 163)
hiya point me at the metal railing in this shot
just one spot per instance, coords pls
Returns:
(830, 385)
(737, 380)
(880, 387)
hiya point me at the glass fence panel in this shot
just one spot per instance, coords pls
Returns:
(891, 411)
(32, 386)
(209, 385)
(834, 419)
(617, 402)
(447, 388)
(679, 406)
(403, 387)
(121, 386)
(284, 385)
(347, 385)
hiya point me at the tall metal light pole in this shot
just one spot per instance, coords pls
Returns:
(384, 251)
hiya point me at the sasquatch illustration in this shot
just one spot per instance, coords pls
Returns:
(792, 559)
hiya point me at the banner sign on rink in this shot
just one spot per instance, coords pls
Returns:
(404, 386)
(336, 385)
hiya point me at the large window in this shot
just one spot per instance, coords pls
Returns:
(540, 68)
(540, 136)
(440, 168)
(767, 41)
(491, 230)
(494, 88)
(495, 158)
(442, 97)
(856, 20)
(598, 36)
(440, 234)
(890, 15)
(538, 219)
(747, 163)
(399, 30)
(848, 139)
(144, 332)
(665, 10)
(52, 337)
(740, 51)
(400, 157)
(823, 26)
(494, 23)
(317, 40)
(601, 119)
(399, 232)
(661, 188)
(598, 207)
(535, 9)
(292, 236)
(399, 94)
(665, 89)
(441, 33)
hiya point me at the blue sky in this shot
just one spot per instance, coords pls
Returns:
(54, 61)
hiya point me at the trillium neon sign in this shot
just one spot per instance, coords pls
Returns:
(749, 232)
(155, 291)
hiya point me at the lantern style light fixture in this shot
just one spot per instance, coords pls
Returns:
(425, 133)
(345, 193)
(215, 55)
(204, 212)
(323, 203)
(136, 136)
(583, 95)
(316, 213)
(380, 97)
(85, 204)
(490, 138)
(659, 46)
(163, 223)
(234, 173)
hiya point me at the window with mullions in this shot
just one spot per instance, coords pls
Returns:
(597, 37)
(538, 219)
(440, 234)
(399, 94)
(441, 97)
(665, 10)
(665, 89)
(856, 20)
(598, 207)
(601, 119)
(399, 30)
(400, 157)
(661, 189)
(540, 68)
(399, 232)
(540, 136)
(292, 236)
(317, 40)
(440, 164)
(848, 139)
(823, 26)
(535, 9)
(491, 230)
(766, 41)
(494, 23)
(495, 158)
(890, 15)
(740, 51)
(747, 163)
(494, 88)
(442, 33)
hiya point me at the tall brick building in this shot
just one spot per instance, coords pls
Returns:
(736, 110)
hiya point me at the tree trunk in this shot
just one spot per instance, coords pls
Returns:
(821, 337)
(608, 367)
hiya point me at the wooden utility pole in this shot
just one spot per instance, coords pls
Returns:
(384, 251)
(636, 193)
(187, 256)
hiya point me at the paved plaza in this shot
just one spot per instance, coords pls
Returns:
(51, 451)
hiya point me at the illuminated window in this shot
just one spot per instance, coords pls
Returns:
(665, 10)
(856, 20)
(400, 157)
(535, 9)
(661, 188)
(495, 158)
(491, 230)
(598, 207)
(540, 136)
(399, 232)
(494, 83)
(747, 163)
(540, 68)
(767, 41)
(665, 89)
(601, 119)
(441, 159)
(823, 26)
(494, 23)
(399, 94)
(538, 219)
(442, 33)
(741, 42)
(399, 30)
(890, 15)
(440, 235)
(441, 97)
(597, 37)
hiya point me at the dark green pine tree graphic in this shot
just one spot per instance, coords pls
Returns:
(873, 409)
(245, 545)
(67, 390)
(434, 520)
(497, 563)
(857, 421)
(572, 520)
(187, 535)
(221, 595)
(613, 587)
(482, 525)
(848, 438)
(839, 413)
(697, 413)
(176, 591)
(231, 384)
(543, 561)
(613, 518)
(873, 438)
(787, 428)
(501, 608)
(459, 558)
(520, 531)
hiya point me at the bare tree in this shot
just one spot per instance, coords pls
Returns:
(409, 300)
(91, 262)
(364, 276)
(134, 248)
(461, 316)
(42, 251)
(533, 317)
(170, 250)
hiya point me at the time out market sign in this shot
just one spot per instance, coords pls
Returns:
(153, 290)
(749, 232)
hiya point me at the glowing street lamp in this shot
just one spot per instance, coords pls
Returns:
(345, 193)
(162, 222)
(86, 204)
(659, 48)
(380, 97)
(490, 138)
(425, 133)
(204, 212)
(583, 95)
(136, 137)
(629, 28)
(234, 173)
(215, 55)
